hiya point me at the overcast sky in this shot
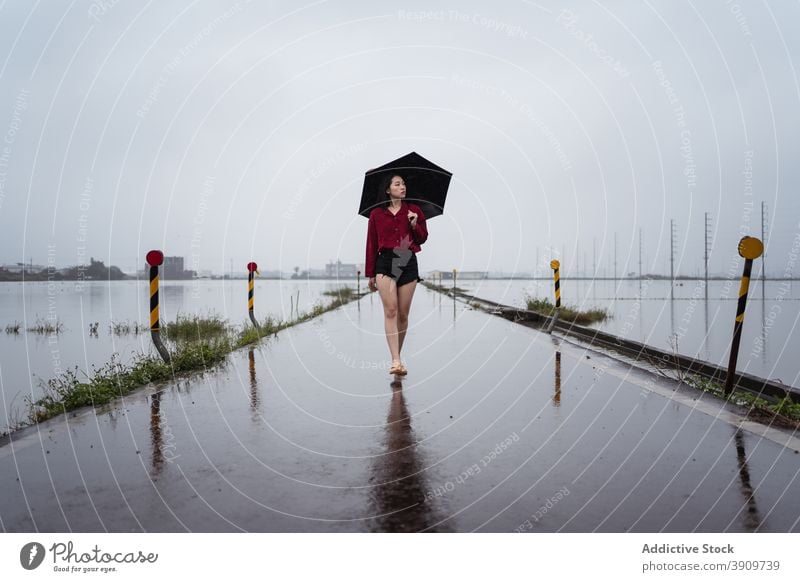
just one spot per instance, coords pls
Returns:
(242, 130)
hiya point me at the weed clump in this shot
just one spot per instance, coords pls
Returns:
(566, 313)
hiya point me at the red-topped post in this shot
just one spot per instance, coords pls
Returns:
(155, 259)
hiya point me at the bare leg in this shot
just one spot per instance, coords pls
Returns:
(405, 293)
(387, 289)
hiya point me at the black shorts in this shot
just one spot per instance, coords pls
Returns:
(399, 264)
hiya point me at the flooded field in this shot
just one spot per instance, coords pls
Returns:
(688, 322)
(30, 357)
(690, 319)
(496, 428)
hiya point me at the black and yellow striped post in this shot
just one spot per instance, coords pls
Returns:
(154, 259)
(252, 270)
(556, 266)
(749, 248)
(557, 395)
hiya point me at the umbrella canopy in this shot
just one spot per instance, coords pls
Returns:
(426, 184)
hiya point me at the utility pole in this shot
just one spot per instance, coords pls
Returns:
(615, 256)
(594, 257)
(707, 247)
(640, 254)
(585, 269)
(764, 241)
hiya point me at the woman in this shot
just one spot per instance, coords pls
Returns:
(394, 235)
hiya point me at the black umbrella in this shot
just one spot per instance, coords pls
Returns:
(426, 184)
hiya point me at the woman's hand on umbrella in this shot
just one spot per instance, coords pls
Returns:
(412, 218)
(373, 284)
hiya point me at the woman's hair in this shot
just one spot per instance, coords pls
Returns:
(382, 198)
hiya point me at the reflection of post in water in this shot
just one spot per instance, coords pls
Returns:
(398, 500)
(253, 381)
(155, 432)
(707, 351)
(671, 315)
(454, 293)
(751, 518)
(557, 395)
(763, 324)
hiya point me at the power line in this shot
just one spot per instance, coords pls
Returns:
(764, 240)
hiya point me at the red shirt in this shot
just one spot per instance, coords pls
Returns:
(389, 231)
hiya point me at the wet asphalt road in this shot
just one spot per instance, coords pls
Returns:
(497, 427)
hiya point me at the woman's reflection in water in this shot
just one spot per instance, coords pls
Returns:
(399, 501)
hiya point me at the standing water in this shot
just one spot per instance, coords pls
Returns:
(30, 358)
(692, 320)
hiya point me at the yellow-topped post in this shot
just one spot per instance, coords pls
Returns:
(750, 248)
(556, 266)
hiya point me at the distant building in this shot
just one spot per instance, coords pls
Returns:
(448, 275)
(272, 275)
(172, 268)
(340, 270)
(23, 267)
